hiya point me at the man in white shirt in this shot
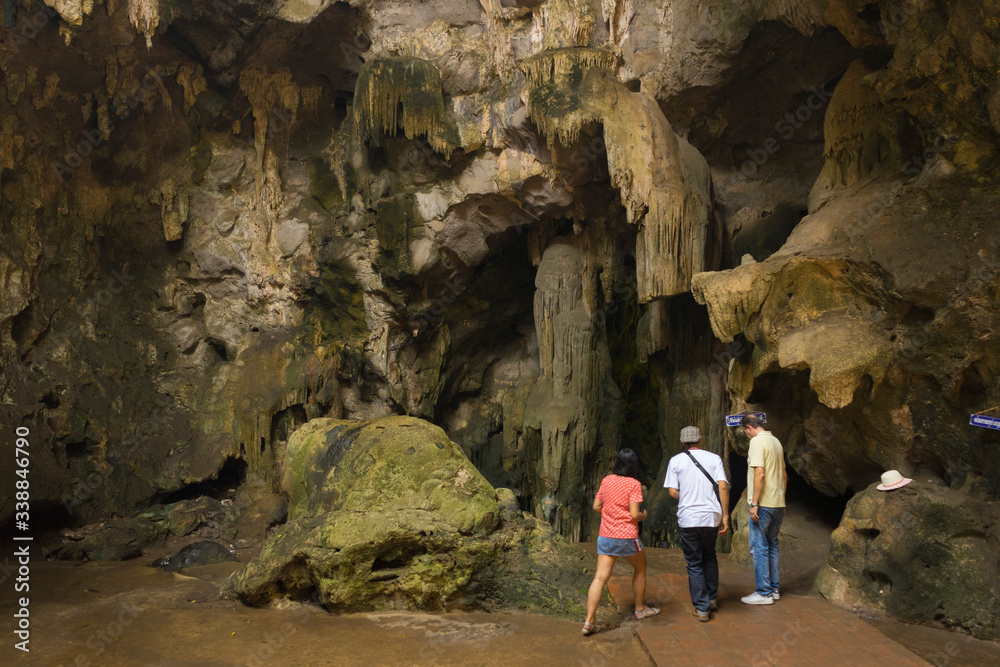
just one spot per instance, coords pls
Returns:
(702, 515)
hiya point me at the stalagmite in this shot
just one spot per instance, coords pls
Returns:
(566, 406)
(559, 289)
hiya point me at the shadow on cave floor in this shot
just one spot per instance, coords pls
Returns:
(116, 614)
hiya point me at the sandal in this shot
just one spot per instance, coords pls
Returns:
(647, 612)
(589, 629)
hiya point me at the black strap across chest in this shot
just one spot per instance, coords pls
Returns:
(715, 485)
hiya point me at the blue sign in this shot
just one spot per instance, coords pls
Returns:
(982, 421)
(734, 420)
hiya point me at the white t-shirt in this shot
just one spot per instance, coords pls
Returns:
(697, 506)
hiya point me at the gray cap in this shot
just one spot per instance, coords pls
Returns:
(690, 434)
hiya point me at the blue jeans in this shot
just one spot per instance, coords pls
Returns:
(764, 547)
(616, 546)
(698, 545)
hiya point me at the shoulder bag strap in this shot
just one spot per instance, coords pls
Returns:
(715, 485)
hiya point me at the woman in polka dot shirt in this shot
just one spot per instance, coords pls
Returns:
(618, 502)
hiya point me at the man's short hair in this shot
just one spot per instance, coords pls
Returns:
(753, 421)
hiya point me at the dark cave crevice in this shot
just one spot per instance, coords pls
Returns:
(229, 478)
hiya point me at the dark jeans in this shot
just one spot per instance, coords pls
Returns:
(698, 545)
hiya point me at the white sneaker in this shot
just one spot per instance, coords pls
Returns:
(756, 598)
(775, 595)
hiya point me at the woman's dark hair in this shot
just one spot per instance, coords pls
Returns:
(626, 464)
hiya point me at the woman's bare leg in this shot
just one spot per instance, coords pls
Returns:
(638, 563)
(605, 564)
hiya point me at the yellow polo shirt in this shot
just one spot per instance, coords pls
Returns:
(766, 452)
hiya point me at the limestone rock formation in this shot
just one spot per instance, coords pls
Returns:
(390, 514)
(922, 554)
(571, 412)
(524, 221)
(841, 301)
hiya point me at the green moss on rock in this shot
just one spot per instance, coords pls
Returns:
(390, 514)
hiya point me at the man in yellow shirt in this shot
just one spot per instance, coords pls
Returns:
(766, 484)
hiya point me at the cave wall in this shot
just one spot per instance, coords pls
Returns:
(552, 228)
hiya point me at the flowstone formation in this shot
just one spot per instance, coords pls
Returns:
(390, 514)
(922, 554)
(664, 183)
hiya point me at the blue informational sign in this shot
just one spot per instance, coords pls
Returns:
(982, 421)
(734, 420)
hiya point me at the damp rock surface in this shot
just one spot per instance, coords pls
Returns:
(205, 552)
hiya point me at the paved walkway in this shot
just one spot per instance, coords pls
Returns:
(799, 629)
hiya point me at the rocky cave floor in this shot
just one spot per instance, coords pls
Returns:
(125, 613)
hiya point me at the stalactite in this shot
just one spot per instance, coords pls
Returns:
(310, 99)
(560, 117)
(144, 15)
(386, 85)
(72, 11)
(11, 145)
(551, 66)
(499, 34)
(569, 88)
(192, 81)
(613, 11)
(15, 86)
(173, 209)
(565, 23)
(338, 156)
(268, 92)
(49, 92)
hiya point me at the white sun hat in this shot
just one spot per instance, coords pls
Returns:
(892, 480)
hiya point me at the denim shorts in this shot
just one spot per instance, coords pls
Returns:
(613, 546)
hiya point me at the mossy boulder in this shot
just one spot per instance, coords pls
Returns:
(390, 514)
(920, 554)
